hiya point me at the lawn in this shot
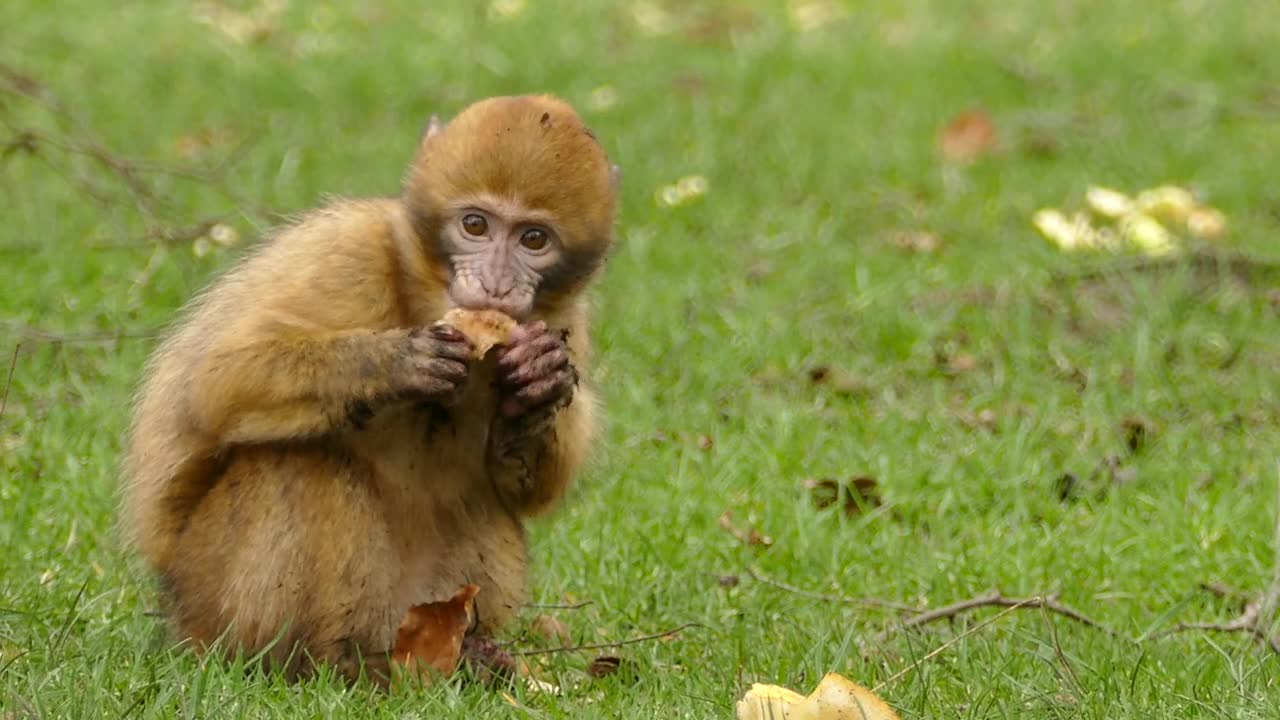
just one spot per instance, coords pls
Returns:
(1103, 428)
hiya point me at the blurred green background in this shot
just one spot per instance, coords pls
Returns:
(840, 299)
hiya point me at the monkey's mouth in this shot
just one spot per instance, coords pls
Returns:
(518, 307)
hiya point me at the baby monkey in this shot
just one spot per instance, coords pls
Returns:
(313, 451)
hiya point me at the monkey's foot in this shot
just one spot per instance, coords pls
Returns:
(487, 661)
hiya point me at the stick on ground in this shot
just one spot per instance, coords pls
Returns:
(994, 598)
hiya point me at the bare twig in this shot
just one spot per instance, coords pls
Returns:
(13, 365)
(601, 646)
(870, 602)
(562, 606)
(943, 647)
(1244, 266)
(57, 338)
(1258, 618)
(1049, 603)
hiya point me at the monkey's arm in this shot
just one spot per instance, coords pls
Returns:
(533, 458)
(546, 419)
(307, 335)
(293, 385)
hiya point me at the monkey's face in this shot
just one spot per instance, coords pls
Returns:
(500, 253)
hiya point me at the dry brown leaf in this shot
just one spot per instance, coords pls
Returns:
(917, 242)
(431, 634)
(961, 362)
(1136, 432)
(840, 381)
(750, 536)
(549, 627)
(967, 136)
(852, 495)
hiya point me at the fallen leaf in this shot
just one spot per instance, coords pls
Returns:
(967, 136)
(750, 536)
(431, 634)
(1136, 431)
(917, 242)
(549, 627)
(705, 442)
(840, 381)
(853, 496)
(962, 362)
(1065, 487)
(835, 698)
(603, 666)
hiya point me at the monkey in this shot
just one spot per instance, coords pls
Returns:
(313, 451)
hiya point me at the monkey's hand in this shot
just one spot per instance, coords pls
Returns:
(534, 373)
(537, 382)
(434, 364)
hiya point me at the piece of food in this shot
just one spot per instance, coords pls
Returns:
(835, 698)
(485, 328)
(430, 636)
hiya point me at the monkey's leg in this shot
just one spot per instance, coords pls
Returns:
(291, 543)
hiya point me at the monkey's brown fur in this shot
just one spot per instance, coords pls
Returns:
(275, 481)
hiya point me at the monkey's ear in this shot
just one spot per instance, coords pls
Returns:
(615, 176)
(433, 127)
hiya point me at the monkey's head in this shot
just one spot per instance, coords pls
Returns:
(514, 199)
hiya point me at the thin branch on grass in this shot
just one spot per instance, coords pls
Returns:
(1048, 603)
(619, 643)
(943, 647)
(1258, 618)
(562, 606)
(1246, 267)
(871, 602)
(56, 338)
(13, 365)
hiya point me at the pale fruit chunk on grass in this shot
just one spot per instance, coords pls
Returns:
(835, 698)
(485, 328)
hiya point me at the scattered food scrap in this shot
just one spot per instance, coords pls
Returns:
(835, 698)
(1153, 222)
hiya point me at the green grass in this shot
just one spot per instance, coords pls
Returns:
(818, 147)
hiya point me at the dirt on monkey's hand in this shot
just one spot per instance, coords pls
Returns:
(535, 371)
(431, 635)
(484, 328)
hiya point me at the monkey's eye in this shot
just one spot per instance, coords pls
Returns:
(535, 239)
(475, 224)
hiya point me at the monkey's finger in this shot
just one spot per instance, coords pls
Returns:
(522, 352)
(541, 392)
(454, 349)
(447, 370)
(447, 335)
(540, 366)
(446, 332)
(531, 330)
